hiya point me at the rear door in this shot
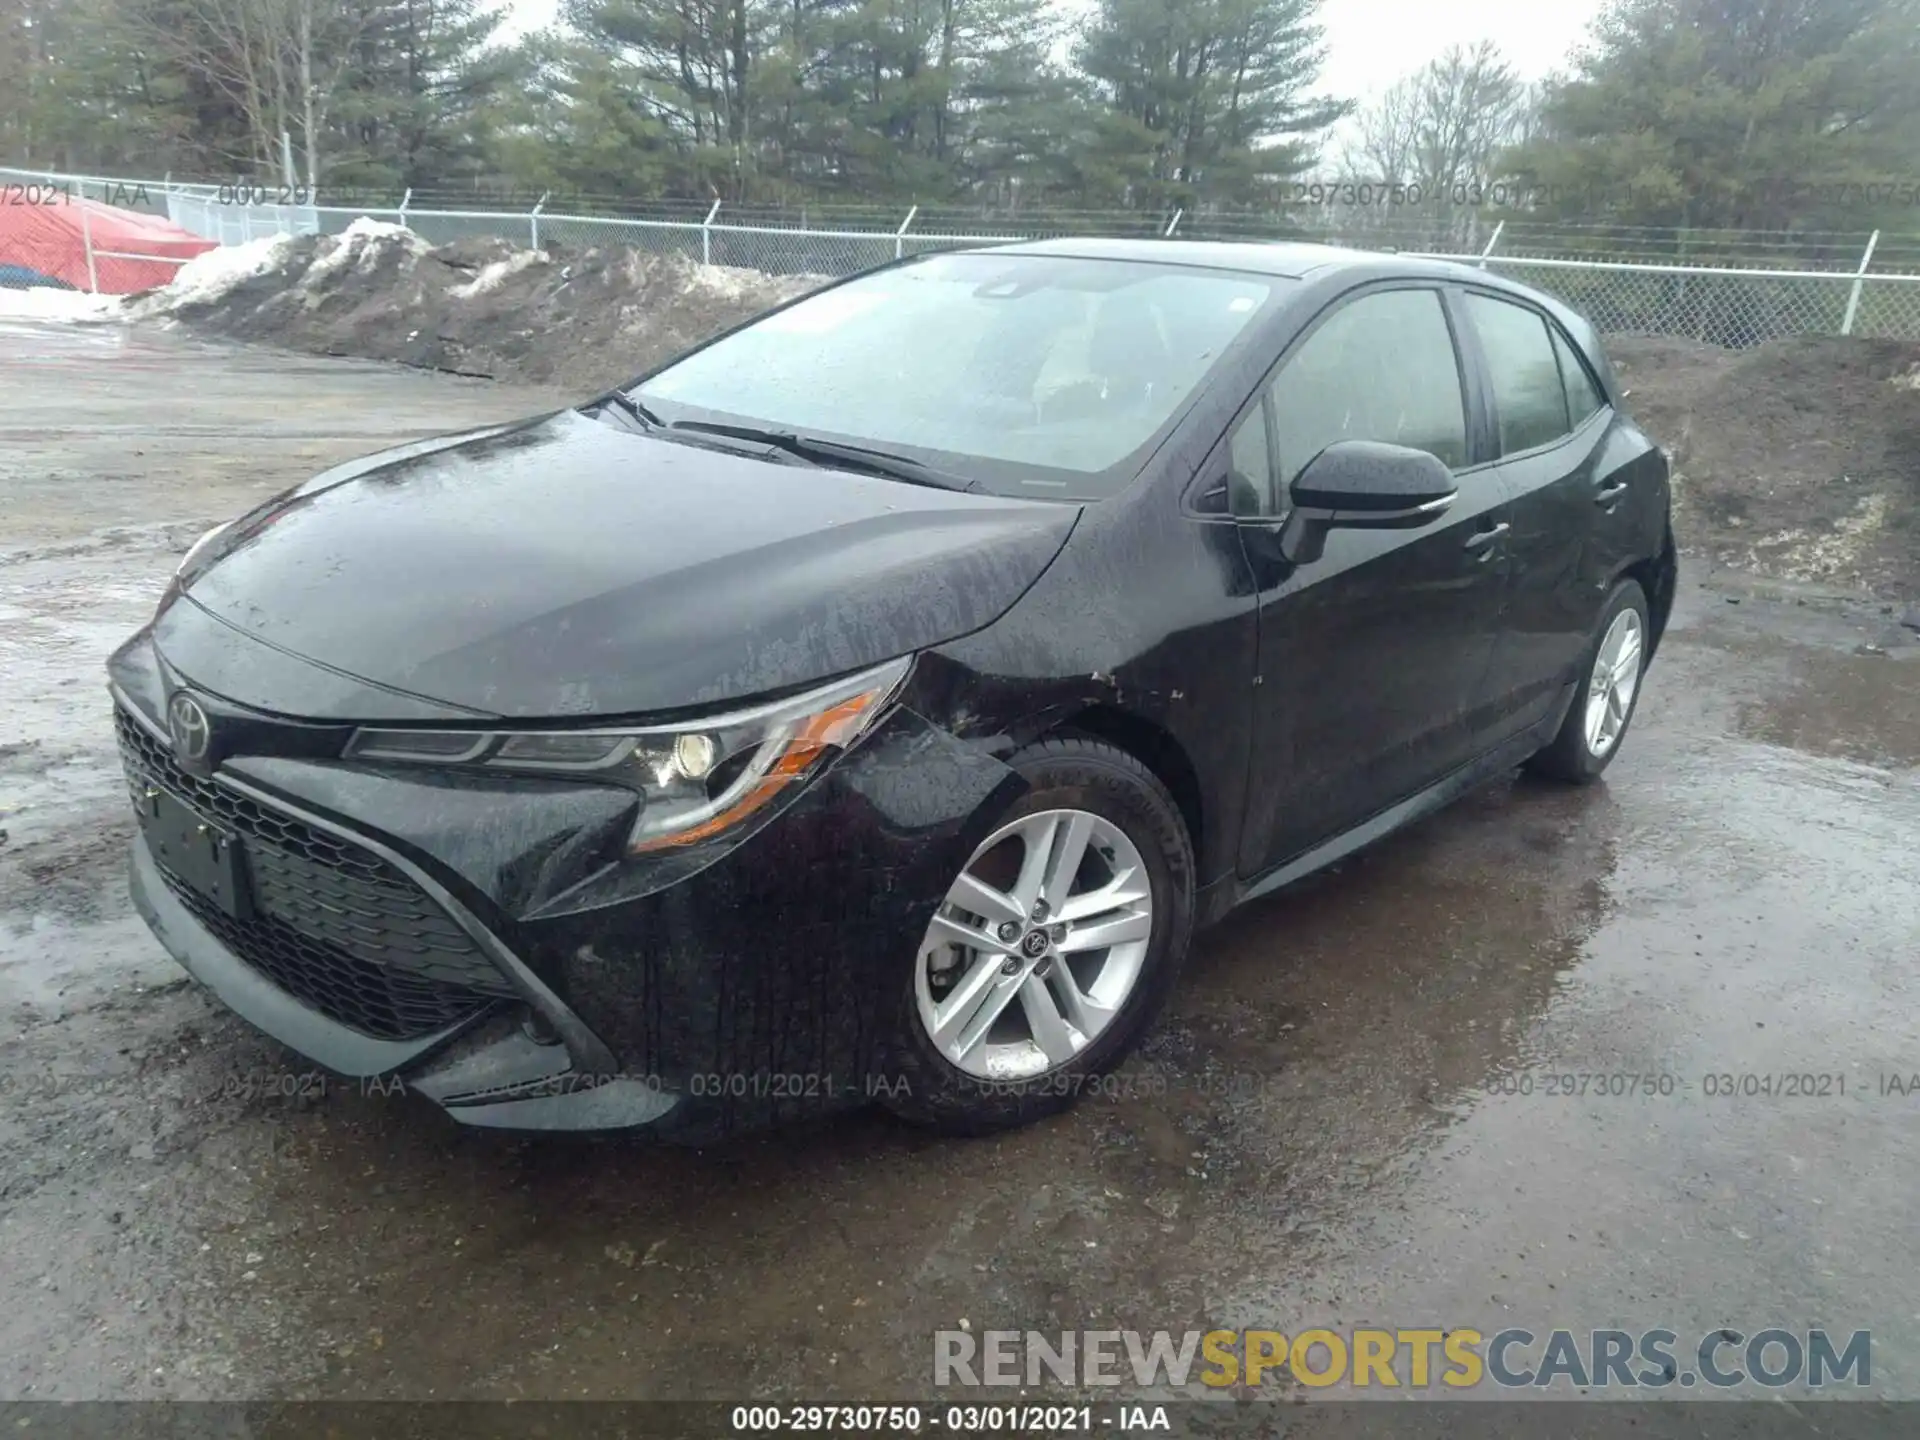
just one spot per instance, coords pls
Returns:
(1551, 427)
(1373, 659)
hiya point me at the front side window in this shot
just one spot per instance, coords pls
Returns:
(1380, 368)
(1035, 375)
(1527, 388)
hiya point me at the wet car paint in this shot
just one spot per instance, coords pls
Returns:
(568, 567)
(1326, 1127)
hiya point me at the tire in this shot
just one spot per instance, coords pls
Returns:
(1573, 756)
(1068, 776)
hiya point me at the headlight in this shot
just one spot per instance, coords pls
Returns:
(199, 548)
(696, 779)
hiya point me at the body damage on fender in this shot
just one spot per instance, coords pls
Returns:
(666, 955)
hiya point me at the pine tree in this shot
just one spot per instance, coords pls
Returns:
(425, 71)
(1733, 113)
(1203, 101)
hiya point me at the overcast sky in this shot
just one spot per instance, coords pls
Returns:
(1372, 43)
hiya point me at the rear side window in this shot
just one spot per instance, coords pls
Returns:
(1583, 396)
(1527, 388)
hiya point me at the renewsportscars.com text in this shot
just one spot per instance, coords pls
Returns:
(1767, 1357)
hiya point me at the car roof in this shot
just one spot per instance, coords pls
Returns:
(1289, 259)
(1301, 260)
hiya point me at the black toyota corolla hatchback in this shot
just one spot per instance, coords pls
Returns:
(871, 703)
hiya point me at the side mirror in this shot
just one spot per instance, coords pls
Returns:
(1363, 485)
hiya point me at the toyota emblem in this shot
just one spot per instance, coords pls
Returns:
(190, 728)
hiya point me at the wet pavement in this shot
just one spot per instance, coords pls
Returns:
(1349, 1116)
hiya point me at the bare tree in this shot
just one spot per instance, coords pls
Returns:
(1386, 145)
(1467, 109)
(1441, 129)
(279, 63)
(1445, 124)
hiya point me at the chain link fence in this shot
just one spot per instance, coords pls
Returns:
(1725, 306)
(1723, 287)
(771, 249)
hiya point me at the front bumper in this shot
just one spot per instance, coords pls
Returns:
(500, 1076)
(697, 996)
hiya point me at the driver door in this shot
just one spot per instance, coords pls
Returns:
(1374, 659)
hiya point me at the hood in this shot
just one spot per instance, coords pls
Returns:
(568, 567)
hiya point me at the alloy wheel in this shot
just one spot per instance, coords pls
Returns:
(1037, 945)
(1614, 682)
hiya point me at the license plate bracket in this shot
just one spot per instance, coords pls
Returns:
(208, 859)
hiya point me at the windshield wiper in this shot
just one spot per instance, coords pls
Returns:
(631, 408)
(836, 452)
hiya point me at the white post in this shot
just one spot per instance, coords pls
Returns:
(899, 243)
(1859, 279)
(405, 200)
(534, 218)
(286, 158)
(1173, 224)
(706, 235)
(86, 237)
(1492, 240)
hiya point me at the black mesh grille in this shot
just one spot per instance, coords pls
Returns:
(332, 924)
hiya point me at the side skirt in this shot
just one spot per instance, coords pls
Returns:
(1441, 793)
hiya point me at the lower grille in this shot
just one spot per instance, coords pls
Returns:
(333, 924)
(385, 1004)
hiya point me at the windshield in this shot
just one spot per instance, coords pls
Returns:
(1031, 375)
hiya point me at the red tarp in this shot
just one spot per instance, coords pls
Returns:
(53, 239)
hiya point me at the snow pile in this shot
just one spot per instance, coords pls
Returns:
(365, 228)
(496, 273)
(363, 242)
(578, 318)
(727, 282)
(47, 302)
(207, 278)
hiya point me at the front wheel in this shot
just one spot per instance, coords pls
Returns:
(1603, 704)
(1053, 951)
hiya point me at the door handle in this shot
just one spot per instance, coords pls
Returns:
(1610, 495)
(1481, 539)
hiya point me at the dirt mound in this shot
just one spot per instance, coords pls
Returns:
(587, 318)
(1798, 459)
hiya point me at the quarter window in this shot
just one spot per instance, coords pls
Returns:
(1381, 368)
(1250, 468)
(1583, 396)
(1527, 388)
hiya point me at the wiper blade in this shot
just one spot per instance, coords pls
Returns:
(837, 452)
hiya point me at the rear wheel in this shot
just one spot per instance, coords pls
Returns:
(1054, 949)
(1603, 704)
